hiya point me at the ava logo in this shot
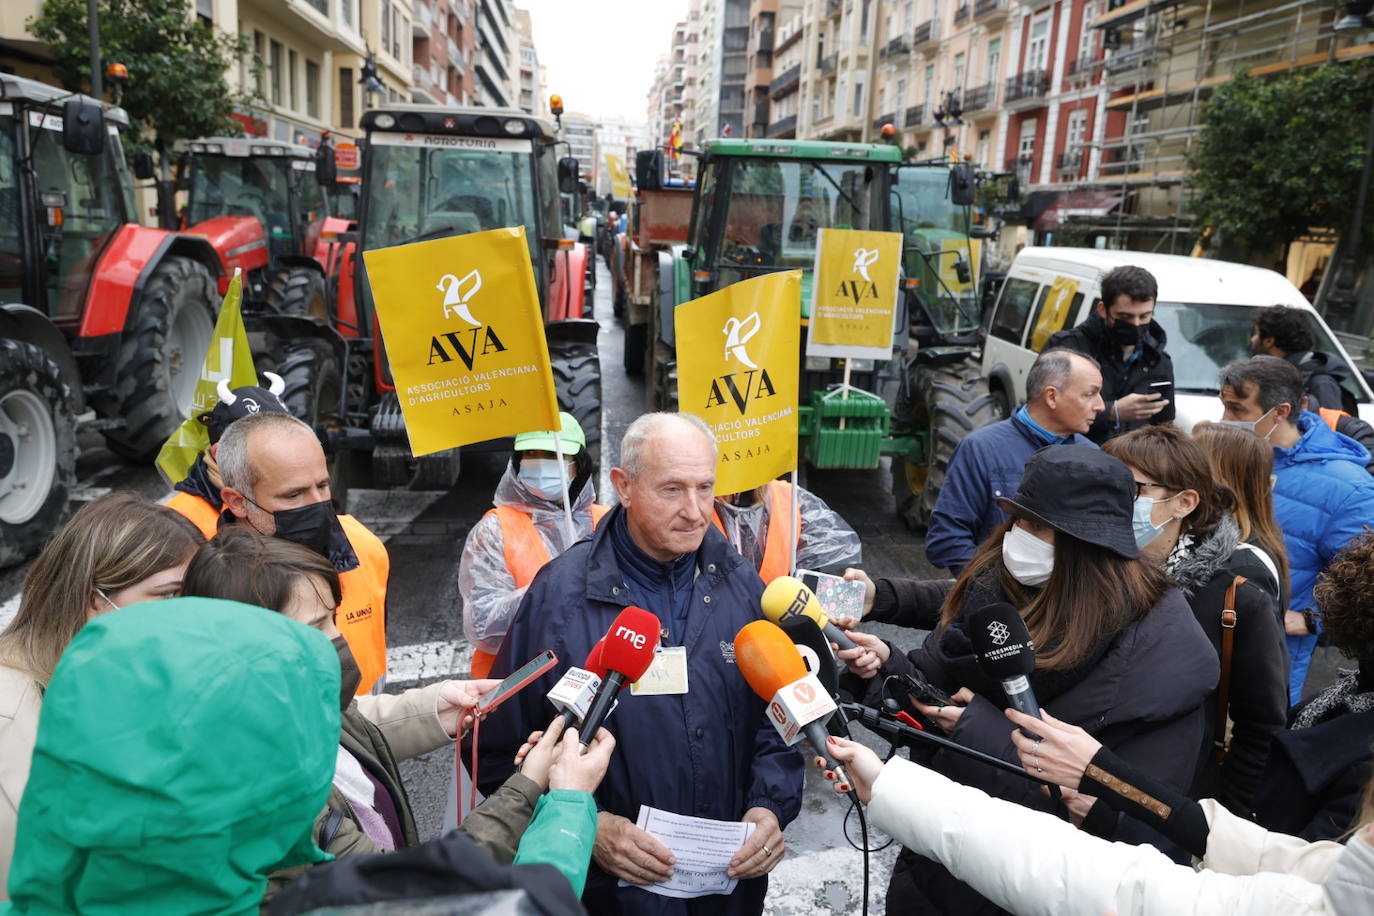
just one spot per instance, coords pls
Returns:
(804, 692)
(456, 297)
(740, 388)
(465, 345)
(863, 259)
(737, 334)
(999, 632)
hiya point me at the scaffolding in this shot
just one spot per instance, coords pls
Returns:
(1164, 59)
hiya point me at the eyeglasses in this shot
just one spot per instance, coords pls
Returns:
(1140, 486)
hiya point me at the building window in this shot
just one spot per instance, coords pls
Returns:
(1087, 35)
(901, 94)
(312, 89)
(346, 9)
(858, 99)
(1038, 48)
(346, 96)
(959, 72)
(994, 59)
(984, 141)
(1025, 147)
(260, 62)
(278, 66)
(205, 9)
(291, 81)
(386, 26)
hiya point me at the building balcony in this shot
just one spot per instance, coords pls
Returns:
(980, 97)
(1026, 89)
(990, 10)
(1084, 67)
(926, 36)
(896, 47)
(423, 23)
(765, 41)
(760, 113)
(915, 116)
(826, 65)
(786, 82)
(832, 8)
(455, 54)
(1071, 161)
(880, 120)
(459, 9)
(962, 14)
(783, 127)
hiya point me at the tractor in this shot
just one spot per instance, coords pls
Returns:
(757, 207)
(97, 313)
(427, 173)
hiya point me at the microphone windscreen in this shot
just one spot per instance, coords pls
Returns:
(1001, 642)
(814, 649)
(629, 644)
(767, 658)
(593, 662)
(788, 596)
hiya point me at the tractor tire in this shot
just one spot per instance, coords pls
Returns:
(952, 401)
(636, 345)
(577, 376)
(298, 291)
(37, 450)
(309, 370)
(160, 357)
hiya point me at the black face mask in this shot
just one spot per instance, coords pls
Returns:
(350, 675)
(1125, 335)
(310, 526)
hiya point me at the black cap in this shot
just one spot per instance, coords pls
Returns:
(1080, 491)
(240, 403)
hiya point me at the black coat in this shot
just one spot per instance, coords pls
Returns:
(1315, 777)
(1120, 378)
(1142, 696)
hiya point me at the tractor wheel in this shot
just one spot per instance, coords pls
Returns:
(298, 291)
(309, 371)
(951, 401)
(37, 450)
(577, 376)
(161, 356)
(636, 343)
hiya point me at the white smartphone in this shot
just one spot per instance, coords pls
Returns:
(839, 597)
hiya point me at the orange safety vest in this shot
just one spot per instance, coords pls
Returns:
(525, 554)
(777, 552)
(361, 616)
(1332, 416)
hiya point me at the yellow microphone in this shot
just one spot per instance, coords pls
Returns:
(787, 597)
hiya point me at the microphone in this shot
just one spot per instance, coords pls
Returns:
(626, 652)
(820, 661)
(787, 596)
(573, 694)
(797, 702)
(1004, 650)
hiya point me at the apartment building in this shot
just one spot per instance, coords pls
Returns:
(495, 54)
(784, 90)
(764, 17)
(529, 88)
(672, 96)
(443, 44)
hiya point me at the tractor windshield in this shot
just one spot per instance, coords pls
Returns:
(257, 186)
(938, 252)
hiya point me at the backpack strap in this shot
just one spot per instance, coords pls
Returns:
(1228, 645)
(329, 828)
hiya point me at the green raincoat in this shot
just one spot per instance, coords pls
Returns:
(184, 749)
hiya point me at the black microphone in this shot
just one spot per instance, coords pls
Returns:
(626, 653)
(820, 660)
(1004, 650)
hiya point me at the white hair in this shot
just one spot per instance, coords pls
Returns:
(637, 436)
(234, 467)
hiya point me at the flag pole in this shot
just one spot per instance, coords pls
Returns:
(792, 527)
(563, 479)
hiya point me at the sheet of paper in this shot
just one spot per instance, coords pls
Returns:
(703, 848)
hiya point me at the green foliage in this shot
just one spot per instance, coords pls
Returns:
(176, 62)
(1279, 156)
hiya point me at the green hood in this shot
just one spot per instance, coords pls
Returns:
(184, 750)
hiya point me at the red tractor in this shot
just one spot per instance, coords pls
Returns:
(97, 312)
(431, 172)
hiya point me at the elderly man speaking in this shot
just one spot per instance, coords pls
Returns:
(704, 749)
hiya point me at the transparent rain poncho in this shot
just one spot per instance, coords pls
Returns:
(827, 543)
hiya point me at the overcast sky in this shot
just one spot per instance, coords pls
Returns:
(600, 54)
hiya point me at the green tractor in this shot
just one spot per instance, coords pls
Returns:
(758, 207)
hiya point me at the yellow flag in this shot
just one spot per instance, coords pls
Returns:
(229, 358)
(969, 250)
(620, 179)
(737, 369)
(854, 294)
(465, 338)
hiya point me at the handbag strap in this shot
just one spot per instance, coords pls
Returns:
(1228, 645)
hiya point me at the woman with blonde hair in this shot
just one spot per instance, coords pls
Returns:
(1244, 463)
(118, 550)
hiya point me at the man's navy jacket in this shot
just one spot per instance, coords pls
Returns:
(709, 753)
(986, 465)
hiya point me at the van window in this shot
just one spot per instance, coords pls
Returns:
(1013, 306)
(1053, 314)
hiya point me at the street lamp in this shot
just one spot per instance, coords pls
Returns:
(368, 76)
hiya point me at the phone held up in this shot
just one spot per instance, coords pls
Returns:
(515, 681)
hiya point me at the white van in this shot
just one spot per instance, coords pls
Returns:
(1204, 306)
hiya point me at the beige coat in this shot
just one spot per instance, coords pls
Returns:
(20, 702)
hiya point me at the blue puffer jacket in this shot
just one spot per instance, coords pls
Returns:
(709, 753)
(1323, 497)
(986, 465)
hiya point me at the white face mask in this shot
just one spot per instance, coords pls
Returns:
(1029, 559)
(542, 476)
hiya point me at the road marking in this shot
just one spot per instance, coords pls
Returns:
(426, 661)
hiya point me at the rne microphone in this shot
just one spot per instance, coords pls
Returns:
(627, 650)
(573, 694)
(797, 702)
(1004, 650)
(788, 596)
(820, 661)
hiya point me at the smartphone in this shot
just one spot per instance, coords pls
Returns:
(515, 681)
(839, 597)
(922, 691)
(1160, 388)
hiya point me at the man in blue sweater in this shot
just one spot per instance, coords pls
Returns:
(1323, 497)
(1063, 396)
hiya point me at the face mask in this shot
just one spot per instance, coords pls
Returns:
(349, 673)
(1251, 424)
(1125, 335)
(1142, 524)
(1029, 559)
(310, 526)
(541, 476)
